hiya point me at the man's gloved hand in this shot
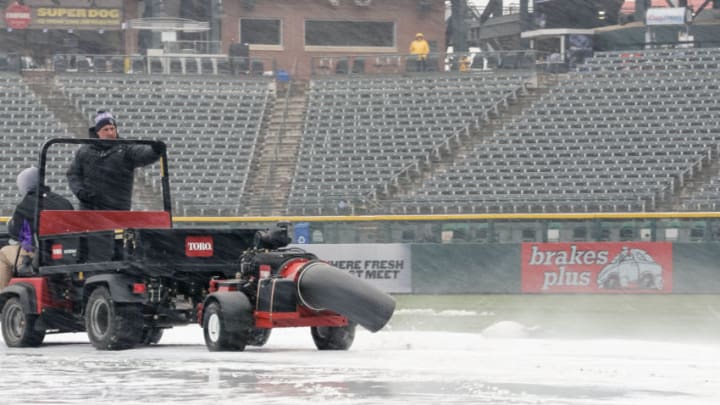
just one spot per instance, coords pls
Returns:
(157, 147)
(86, 195)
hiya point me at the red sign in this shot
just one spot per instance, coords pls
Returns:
(198, 246)
(597, 267)
(56, 251)
(17, 16)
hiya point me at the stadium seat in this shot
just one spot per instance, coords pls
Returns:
(257, 68)
(354, 111)
(209, 139)
(223, 66)
(176, 66)
(358, 65)
(82, 64)
(138, 65)
(191, 66)
(60, 63)
(207, 65)
(341, 66)
(117, 64)
(558, 152)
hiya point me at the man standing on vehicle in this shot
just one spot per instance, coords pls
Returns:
(21, 225)
(101, 176)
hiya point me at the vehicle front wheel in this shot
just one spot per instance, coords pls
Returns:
(112, 326)
(18, 328)
(218, 337)
(333, 337)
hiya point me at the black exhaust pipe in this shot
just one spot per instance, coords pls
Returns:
(322, 286)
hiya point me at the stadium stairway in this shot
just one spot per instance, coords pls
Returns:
(273, 166)
(43, 84)
(700, 178)
(438, 162)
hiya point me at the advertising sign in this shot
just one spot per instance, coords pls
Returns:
(66, 14)
(667, 16)
(597, 267)
(302, 233)
(386, 266)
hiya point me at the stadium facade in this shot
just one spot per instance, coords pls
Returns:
(287, 33)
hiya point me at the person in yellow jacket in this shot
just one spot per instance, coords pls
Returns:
(420, 48)
(465, 63)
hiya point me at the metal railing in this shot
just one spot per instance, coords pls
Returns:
(192, 47)
(177, 64)
(369, 64)
(344, 227)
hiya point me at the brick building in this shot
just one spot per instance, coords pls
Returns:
(292, 32)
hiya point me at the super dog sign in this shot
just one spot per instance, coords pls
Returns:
(610, 267)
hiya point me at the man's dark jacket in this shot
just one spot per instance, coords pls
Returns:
(26, 209)
(101, 176)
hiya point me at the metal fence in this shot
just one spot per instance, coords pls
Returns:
(435, 62)
(693, 227)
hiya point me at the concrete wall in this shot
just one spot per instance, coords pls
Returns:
(498, 268)
(697, 268)
(442, 269)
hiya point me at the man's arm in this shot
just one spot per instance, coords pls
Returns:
(55, 201)
(142, 155)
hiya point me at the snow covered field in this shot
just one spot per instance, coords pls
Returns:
(501, 365)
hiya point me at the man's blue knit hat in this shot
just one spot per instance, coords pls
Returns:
(104, 118)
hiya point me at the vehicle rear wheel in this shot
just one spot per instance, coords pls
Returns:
(218, 337)
(112, 326)
(18, 328)
(258, 336)
(333, 337)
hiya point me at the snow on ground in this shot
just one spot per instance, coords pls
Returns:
(388, 367)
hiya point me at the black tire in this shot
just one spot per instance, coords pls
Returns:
(112, 326)
(218, 337)
(18, 328)
(151, 336)
(333, 337)
(258, 337)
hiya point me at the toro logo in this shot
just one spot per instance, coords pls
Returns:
(198, 246)
(56, 251)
